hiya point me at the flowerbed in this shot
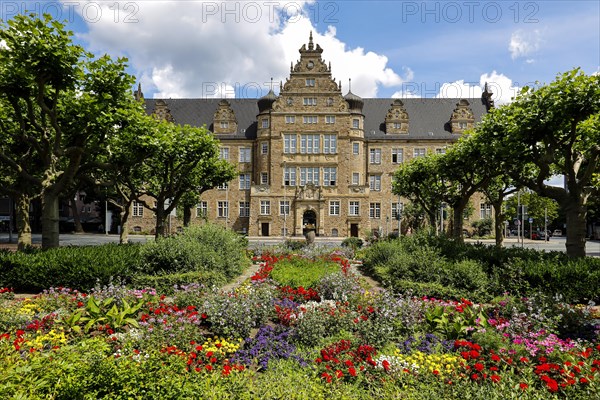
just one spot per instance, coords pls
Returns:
(264, 339)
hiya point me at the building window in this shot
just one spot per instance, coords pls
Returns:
(244, 208)
(289, 143)
(462, 125)
(224, 124)
(397, 125)
(265, 207)
(485, 210)
(375, 156)
(329, 176)
(441, 150)
(310, 144)
(310, 119)
(138, 209)
(245, 154)
(397, 156)
(264, 148)
(329, 144)
(222, 209)
(265, 123)
(264, 178)
(202, 209)
(355, 123)
(290, 119)
(289, 176)
(395, 208)
(334, 207)
(419, 152)
(224, 153)
(310, 82)
(375, 182)
(309, 101)
(309, 175)
(330, 119)
(244, 181)
(329, 101)
(284, 207)
(334, 232)
(375, 210)
(223, 186)
(354, 209)
(355, 148)
(355, 178)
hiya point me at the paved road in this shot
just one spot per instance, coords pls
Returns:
(554, 244)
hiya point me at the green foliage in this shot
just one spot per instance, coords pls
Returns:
(294, 245)
(106, 312)
(439, 267)
(303, 272)
(74, 267)
(204, 248)
(353, 242)
(483, 227)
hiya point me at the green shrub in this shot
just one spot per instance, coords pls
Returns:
(294, 245)
(303, 272)
(75, 267)
(205, 248)
(353, 242)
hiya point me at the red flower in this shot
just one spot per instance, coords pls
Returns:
(495, 378)
(352, 371)
(208, 367)
(495, 357)
(326, 376)
(436, 372)
(339, 374)
(479, 367)
(386, 365)
(474, 377)
(583, 380)
(523, 386)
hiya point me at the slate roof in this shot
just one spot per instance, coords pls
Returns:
(428, 118)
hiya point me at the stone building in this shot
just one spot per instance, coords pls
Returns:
(312, 158)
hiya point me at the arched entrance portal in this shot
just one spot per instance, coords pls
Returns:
(309, 221)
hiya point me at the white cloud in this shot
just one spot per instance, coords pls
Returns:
(3, 45)
(524, 43)
(499, 84)
(213, 49)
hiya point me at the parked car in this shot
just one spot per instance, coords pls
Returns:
(557, 232)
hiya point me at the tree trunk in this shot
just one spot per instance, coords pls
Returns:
(498, 223)
(76, 219)
(50, 235)
(23, 226)
(576, 220)
(187, 216)
(457, 223)
(124, 235)
(160, 219)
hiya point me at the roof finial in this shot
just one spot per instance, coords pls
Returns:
(138, 95)
(349, 85)
(271, 83)
(310, 42)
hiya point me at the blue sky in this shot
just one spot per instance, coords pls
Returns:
(388, 48)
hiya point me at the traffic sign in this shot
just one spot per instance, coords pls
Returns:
(531, 220)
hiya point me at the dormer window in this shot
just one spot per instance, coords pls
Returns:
(462, 117)
(310, 82)
(224, 125)
(309, 101)
(396, 119)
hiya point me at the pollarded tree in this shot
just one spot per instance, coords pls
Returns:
(179, 159)
(496, 191)
(63, 101)
(554, 129)
(463, 174)
(420, 182)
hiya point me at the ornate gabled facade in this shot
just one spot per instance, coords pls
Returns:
(312, 158)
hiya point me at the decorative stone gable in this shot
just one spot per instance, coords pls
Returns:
(462, 117)
(224, 120)
(396, 119)
(310, 85)
(162, 112)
